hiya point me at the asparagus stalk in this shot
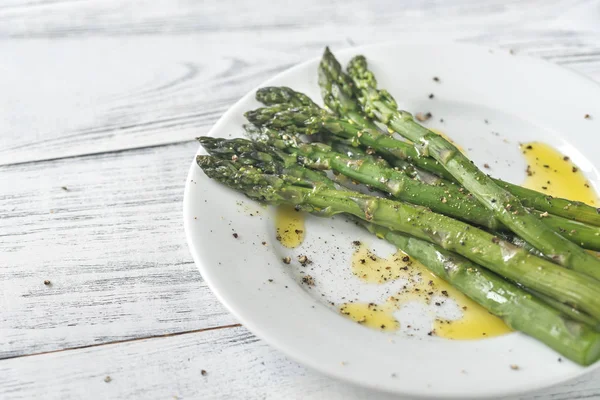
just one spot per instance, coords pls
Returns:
(363, 131)
(346, 146)
(397, 153)
(514, 263)
(568, 311)
(505, 205)
(448, 199)
(270, 145)
(270, 159)
(376, 174)
(519, 309)
(587, 236)
(285, 98)
(310, 120)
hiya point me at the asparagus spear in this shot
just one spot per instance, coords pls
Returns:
(398, 152)
(310, 120)
(519, 309)
(568, 311)
(285, 98)
(448, 199)
(505, 205)
(376, 174)
(587, 236)
(270, 145)
(346, 146)
(363, 131)
(514, 263)
(268, 159)
(274, 95)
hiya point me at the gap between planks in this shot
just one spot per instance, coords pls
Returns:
(87, 346)
(93, 154)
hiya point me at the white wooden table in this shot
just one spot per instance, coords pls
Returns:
(100, 101)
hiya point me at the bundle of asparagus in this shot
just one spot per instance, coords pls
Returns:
(517, 252)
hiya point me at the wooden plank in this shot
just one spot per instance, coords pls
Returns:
(120, 75)
(112, 245)
(27, 18)
(237, 365)
(116, 94)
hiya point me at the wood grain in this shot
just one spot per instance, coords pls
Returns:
(237, 366)
(46, 18)
(116, 75)
(112, 245)
(85, 81)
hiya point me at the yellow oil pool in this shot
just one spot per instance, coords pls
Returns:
(549, 171)
(289, 225)
(422, 286)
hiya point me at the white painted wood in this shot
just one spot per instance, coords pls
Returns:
(48, 18)
(96, 76)
(237, 365)
(79, 77)
(112, 246)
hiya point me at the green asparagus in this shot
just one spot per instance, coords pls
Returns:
(362, 131)
(514, 263)
(449, 199)
(274, 95)
(506, 206)
(347, 147)
(568, 311)
(520, 310)
(268, 159)
(434, 189)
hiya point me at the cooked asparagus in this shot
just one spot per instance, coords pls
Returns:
(506, 207)
(515, 263)
(449, 199)
(520, 310)
(362, 131)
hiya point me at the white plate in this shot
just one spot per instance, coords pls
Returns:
(522, 98)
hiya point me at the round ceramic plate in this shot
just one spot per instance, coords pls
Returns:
(485, 100)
